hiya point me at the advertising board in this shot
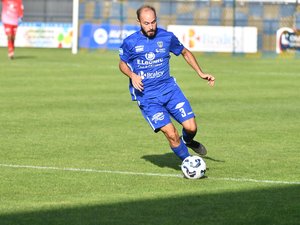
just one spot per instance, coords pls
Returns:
(104, 35)
(217, 38)
(287, 40)
(41, 35)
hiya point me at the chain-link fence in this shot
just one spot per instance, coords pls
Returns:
(266, 16)
(47, 11)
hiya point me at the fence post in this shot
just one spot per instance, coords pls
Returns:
(75, 26)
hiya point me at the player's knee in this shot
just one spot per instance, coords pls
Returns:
(190, 126)
(191, 129)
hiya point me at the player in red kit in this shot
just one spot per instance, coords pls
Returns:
(12, 13)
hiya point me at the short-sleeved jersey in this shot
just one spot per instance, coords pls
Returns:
(12, 10)
(149, 58)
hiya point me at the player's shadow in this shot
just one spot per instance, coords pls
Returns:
(212, 159)
(170, 160)
(164, 160)
(21, 57)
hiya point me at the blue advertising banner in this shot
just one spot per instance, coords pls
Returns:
(104, 35)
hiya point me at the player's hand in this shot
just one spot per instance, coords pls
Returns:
(211, 81)
(209, 78)
(137, 82)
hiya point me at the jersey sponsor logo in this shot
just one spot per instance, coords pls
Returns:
(149, 75)
(139, 48)
(179, 105)
(150, 56)
(158, 117)
(150, 62)
(121, 51)
(146, 63)
(160, 48)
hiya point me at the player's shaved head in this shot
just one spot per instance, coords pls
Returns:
(144, 8)
(146, 17)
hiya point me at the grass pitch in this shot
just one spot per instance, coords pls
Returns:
(76, 150)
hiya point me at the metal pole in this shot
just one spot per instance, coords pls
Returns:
(75, 26)
(121, 20)
(233, 25)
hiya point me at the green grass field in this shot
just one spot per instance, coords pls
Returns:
(76, 150)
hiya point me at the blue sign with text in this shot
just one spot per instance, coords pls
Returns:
(104, 35)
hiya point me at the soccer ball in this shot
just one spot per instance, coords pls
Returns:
(193, 167)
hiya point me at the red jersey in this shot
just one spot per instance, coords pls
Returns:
(12, 10)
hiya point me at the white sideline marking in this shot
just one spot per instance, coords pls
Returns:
(143, 174)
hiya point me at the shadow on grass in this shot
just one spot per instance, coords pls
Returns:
(276, 206)
(170, 160)
(21, 57)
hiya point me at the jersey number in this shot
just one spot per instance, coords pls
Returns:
(183, 114)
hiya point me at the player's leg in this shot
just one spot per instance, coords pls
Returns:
(11, 49)
(189, 130)
(13, 38)
(181, 110)
(10, 31)
(159, 119)
(175, 142)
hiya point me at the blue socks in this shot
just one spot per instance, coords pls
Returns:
(181, 151)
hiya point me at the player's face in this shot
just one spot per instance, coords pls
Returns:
(148, 23)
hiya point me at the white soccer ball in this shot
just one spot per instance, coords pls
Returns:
(193, 167)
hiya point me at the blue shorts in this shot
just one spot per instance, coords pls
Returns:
(159, 110)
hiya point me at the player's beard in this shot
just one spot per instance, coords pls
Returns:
(150, 33)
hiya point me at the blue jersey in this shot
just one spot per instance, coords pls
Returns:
(149, 58)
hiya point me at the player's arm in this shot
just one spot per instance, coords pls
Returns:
(135, 79)
(191, 60)
(20, 9)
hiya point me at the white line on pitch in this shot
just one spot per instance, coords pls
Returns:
(143, 174)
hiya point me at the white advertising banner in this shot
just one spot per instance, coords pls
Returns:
(216, 38)
(287, 40)
(41, 35)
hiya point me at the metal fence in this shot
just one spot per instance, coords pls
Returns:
(48, 11)
(267, 16)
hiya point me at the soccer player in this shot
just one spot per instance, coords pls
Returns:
(144, 58)
(12, 13)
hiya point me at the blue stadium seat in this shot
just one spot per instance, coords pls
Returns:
(98, 10)
(215, 15)
(185, 19)
(167, 8)
(287, 10)
(115, 10)
(270, 26)
(228, 3)
(255, 10)
(241, 19)
(81, 10)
